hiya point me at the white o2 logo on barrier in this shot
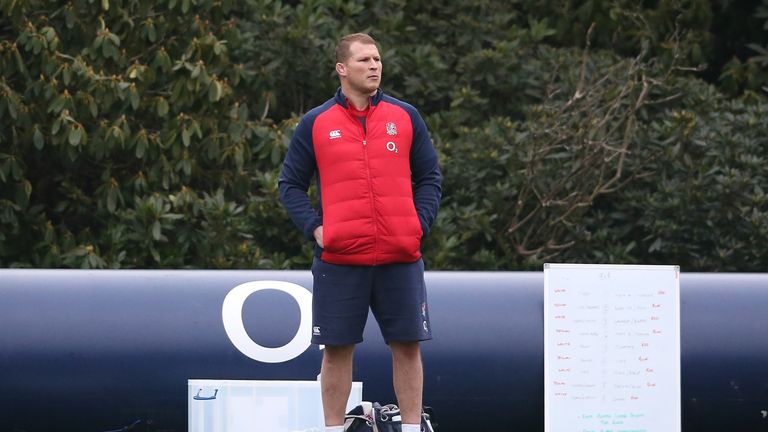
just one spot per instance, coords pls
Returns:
(232, 315)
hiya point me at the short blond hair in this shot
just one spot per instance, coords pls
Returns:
(342, 48)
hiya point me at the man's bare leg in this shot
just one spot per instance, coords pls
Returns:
(408, 377)
(336, 382)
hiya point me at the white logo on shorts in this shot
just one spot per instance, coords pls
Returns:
(316, 330)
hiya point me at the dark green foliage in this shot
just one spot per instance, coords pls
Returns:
(705, 203)
(141, 134)
(129, 140)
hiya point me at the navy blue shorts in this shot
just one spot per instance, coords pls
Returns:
(342, 294)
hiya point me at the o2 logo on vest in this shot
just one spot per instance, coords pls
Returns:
(232, 317)
(391, 147)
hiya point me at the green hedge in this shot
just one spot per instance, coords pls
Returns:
(131, 139)
(143, 134)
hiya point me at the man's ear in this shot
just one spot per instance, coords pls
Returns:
(341, 69)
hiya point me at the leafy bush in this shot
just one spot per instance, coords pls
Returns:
(129, 139)
(150, 134)
(517, 192)
(705, 205)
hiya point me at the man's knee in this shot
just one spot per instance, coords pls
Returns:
(338, 353)
(405, 351)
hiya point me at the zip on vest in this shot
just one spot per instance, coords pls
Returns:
(368, 178)
(373, 207)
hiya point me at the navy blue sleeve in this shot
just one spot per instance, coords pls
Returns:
(425, 173)
(298, 169)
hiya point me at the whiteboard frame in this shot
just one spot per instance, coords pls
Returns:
(674, 269)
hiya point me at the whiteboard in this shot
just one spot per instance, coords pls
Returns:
(611, 348)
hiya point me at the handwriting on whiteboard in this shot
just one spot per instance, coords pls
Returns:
(612, 358)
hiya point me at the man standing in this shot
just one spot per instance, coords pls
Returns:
(379, 188)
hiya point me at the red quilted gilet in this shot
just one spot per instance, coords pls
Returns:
(369, 216)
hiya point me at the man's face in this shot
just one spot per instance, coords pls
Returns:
(362, 69)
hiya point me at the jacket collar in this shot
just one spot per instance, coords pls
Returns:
(342, 100)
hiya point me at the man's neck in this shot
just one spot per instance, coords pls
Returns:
(358, 100)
